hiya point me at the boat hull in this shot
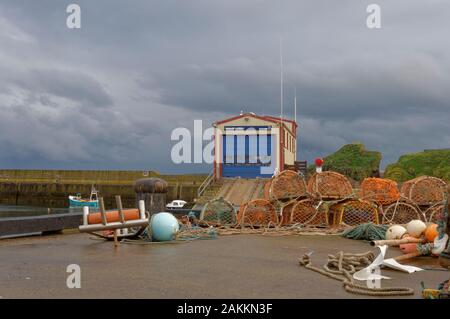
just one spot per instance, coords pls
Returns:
(78, 203)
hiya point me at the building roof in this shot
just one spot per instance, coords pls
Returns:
(268, 118)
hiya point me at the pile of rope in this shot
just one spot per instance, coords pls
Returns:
(294, 230)
(342, 266)
(367, 231)
(194, 233)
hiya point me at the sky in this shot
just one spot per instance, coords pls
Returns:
(108, 95)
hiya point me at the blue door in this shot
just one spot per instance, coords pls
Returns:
(247, 156)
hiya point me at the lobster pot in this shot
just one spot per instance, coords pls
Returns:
(303, 212)
(424, 190)
(354, 212)
(286, 186)
(400, 213)
(435, 213)
(382, 191)
(219, 212)
(266, 189)
(329, 185)
(258, 212)
(153, 192)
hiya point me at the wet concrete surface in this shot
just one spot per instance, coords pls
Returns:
(239, 266)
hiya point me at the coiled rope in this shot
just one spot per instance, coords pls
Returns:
(367, 231)
(342, 266)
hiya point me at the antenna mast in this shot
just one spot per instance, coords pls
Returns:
(281, 82)
(295, 105)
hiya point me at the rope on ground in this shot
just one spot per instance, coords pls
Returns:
(273, 230)
(367, 231)
(185, 235)
(342, 266)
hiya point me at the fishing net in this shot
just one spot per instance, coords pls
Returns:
(382, 191)
(303, 212)
(424, 190)
(287, 186)
(258, 212)
(354, 212)
(401, 213)
(218, 212)
(368, 231)
(330, 185)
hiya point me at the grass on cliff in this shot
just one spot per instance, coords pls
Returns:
(433, 163)
(354, 161)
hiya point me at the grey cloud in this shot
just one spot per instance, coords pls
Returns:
(108, 95)
(72, 85)
(349, 88)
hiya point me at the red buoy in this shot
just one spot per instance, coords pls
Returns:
(318, 161)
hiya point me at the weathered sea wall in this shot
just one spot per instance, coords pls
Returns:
(50, 188)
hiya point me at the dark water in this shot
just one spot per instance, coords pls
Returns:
(21, 211)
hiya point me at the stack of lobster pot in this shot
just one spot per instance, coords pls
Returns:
(384, 193)
(427, 194)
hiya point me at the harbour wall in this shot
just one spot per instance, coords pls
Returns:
(51, 188)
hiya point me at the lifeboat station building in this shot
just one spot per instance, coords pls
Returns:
(251, 146)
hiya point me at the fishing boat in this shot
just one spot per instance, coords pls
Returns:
(78, 201)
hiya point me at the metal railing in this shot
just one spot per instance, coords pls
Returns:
(208, 180)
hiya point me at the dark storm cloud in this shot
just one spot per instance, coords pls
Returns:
(349, 88)
(108, 95)
(67, 84)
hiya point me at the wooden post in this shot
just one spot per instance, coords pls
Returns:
(407, 256)
(141, 209)
(102, 210)
(116, 242)
(151, 208)
(396, 242)
(85, 215)
(120, 209)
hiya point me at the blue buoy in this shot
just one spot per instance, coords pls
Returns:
(164, 227)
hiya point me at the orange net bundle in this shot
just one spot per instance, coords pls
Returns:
(382, 191)
(401, 213)
(353, 212)
(258, 212)
(303, 212)
(330, 185)
(218, 212)
(424, 190)
(286, 186)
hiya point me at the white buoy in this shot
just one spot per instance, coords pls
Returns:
(415, 228)
(395, 232)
